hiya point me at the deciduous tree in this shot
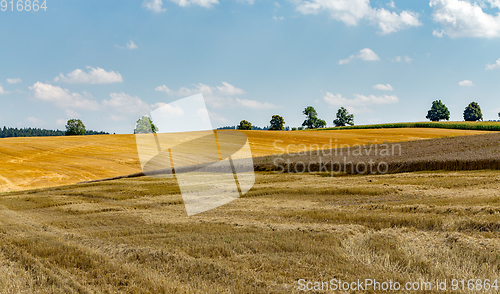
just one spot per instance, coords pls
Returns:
(277, 123)
(145, 125)
(473, 112)
(75, 127)
(343, 118)
(438, 111)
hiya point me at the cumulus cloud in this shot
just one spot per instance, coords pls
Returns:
(364, 54)
(228, 89)
(406, 59)
(35, 121)
(360, 102)
(155, 6)
(131, 45)
(14, 81)
(219, 96)
(63, 97)
(383, 87)
(2, 91)
(466, 83)
(494, 65)
(465, 19)
(202, 3)
(217, 118)
(225, 89)
(252, 104)
(95, 75)
(164, 89)
(123, 103)
(72, 113)
(351, 12)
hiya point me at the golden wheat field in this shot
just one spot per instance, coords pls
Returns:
(51, 161)
(133, 235)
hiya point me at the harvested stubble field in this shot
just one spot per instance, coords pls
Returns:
(37, 162)
(133, 235)
(452, 153)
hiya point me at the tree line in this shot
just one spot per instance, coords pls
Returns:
(312, 121)
(73, 127)
(438, 112)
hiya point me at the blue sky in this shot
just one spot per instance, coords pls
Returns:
(109, 62)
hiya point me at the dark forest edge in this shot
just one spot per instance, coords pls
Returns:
(36, 132)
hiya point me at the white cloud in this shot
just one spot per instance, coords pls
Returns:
(494, 65)
(254, 104)
(63, 97)
(61, 122)
(217, 118)
(228, 89)
(35, 121)
(219, 96)
(115, 117)
(466, 83)
(391, 22)
(153, 5)
(2, 91)
(494, 3)
(351, 12)
(406, 59)
(14, 81)
(202, 3)
(123, 103)
(278, 18)
(131, 45)
(465, 19)
(359, 100)
(391, 4)
(95, 75)
(72, 113)
(365, 54)
(383, 87)
(167, 110)
(164, 89)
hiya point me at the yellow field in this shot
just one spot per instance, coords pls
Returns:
(37, 162)
(133, 235)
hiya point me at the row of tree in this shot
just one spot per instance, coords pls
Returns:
(439, 111)
(73, 127)
(312, 120)
(28, 132)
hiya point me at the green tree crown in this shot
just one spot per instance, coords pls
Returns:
(438, 111)
(145, 125)
(473, 112)
(312, 121)
(343, 118)
(75, 127)
(245, 125)
(277, 122)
